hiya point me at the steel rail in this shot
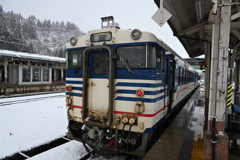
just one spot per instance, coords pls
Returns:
(29, 100)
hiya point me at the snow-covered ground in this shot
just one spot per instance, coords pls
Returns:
(27, 125)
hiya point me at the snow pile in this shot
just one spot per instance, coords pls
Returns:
(68, 151)
(27, 125)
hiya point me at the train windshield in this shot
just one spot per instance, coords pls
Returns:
(74, 59)
(142, 56)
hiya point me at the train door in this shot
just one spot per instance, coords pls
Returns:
(98, 73)
(98, 93)
(166, 90)
(170, 83)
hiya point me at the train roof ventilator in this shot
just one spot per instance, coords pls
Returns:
(109, 21)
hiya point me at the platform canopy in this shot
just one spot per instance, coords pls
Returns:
(191, 23)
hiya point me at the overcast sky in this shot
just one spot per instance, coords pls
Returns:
(86, 14)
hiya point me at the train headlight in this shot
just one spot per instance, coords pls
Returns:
(140, 93)
(73, 41)
(139, 107)
(136, 34)
(68, 88)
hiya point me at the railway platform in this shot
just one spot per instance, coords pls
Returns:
(185, 131)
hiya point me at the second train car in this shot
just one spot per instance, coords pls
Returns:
(120, 86)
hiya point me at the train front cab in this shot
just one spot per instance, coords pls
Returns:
(99, 92)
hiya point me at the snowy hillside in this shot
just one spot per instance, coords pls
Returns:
(42, 37)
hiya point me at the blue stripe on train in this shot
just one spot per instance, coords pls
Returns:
(134, 92)
(77, 88)
(148, 100)
(149, 85)
(74, 94)
(73, 82)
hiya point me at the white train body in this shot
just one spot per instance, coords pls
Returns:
(120, 86)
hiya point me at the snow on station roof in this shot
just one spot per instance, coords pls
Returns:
(29, 56)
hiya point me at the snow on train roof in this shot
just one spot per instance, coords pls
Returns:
(30, 56)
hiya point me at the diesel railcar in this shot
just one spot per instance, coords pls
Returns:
(120, 86)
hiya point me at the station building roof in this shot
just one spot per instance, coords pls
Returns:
(30, 56)
(191, 23)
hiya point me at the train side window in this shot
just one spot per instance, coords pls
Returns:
(182, 76)
(74, 59)
(191, 76)
(185, 76)
(159, 59)
(151, 56)
(179, 72)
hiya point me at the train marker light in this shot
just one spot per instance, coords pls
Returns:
(136, 34)
(140, 92)
(73, 41)
(68, 88)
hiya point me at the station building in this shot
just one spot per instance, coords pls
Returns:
(24, 72)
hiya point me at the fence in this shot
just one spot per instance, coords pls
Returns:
(6, 45)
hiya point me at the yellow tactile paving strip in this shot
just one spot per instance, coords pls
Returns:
(198, 150)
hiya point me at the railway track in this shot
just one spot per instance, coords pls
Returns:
(29, 100)
(126, 157)
(30, 94)
(22, 155)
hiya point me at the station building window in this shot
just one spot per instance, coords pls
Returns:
(1, 73)
(36, 74)
(25, 73)
(45, 74)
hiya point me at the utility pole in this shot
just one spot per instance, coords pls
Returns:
(215, 134)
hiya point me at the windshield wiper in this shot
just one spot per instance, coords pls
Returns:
(126, 65)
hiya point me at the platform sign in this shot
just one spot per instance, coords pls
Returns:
(162, 15)
(223, 53)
